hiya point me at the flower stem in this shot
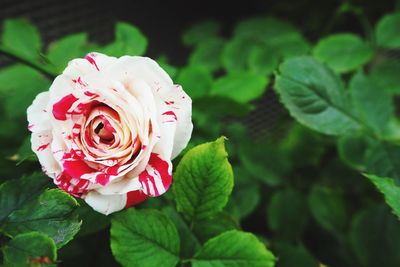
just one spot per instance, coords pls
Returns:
(34, 65)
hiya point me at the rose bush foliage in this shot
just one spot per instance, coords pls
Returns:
(300, 184)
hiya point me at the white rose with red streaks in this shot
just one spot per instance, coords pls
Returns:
(108, 128)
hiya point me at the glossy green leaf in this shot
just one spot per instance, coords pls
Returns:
(18, 91)
(242, 87)
(287, 213)
(343, 52)
(298, 256)
(207, 54)
(201, 32)
(129, 40)
(389, 189)
(21, 38)
(236, 54)
(144, 238)
(263, 61)
(190, 242)
(383, 159)
(16, 193)
(387, 31)
(30, 249)
(234, 248)
(315, 96)
(386, 75)
(375, 237)
(328, 208)
(352, 150)
(50, 213)
(195, 80)
(65, 49)
(372, 104)
(203, 180)
(209, 228)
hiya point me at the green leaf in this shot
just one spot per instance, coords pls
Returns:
(236, 54)
(352, 149)
(343, 52)
(234, 248)
(287, 213)
(203, 180)
(21, 38)
(92, 221)
(188, 240)
(17, 193)
(328, 208)
(242, 87)
(263, 61)
(389, 189)
(269, 168)
(372, 104)
(272, 34)
(20, 92)
(201, 32)
(129, 40)
(387, 31)
(298, 256)
(208, 228)
(375, 237)
(30, 249)
(386, 75)
(315, 96)
(144, 238)
(67, 48)
(245, 199)
(207, 54)
(196, 81)
(50, 213)
(383, 159)
(25, 152)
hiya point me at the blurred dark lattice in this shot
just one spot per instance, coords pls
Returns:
(56, 19)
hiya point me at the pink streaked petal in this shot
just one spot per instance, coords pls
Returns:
(134, 197)
(61, 108)
(156, 178)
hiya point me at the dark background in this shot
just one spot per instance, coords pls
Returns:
(164, 21)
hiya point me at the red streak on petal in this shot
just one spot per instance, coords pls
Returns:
(169, 102)
(134, 197)
(102, 179)
(79, 81)
(162, 167)
(63, 181)
(92, 61)
(76, 168)
(170, 113)
(42, 147)
(91, 94)
(161, 171)
(60, 109)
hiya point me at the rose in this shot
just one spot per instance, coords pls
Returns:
(108, 128)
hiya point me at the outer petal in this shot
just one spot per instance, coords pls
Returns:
(157, 176)
(105, 204)
(37, 114)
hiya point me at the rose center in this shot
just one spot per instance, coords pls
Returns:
(106, 135)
